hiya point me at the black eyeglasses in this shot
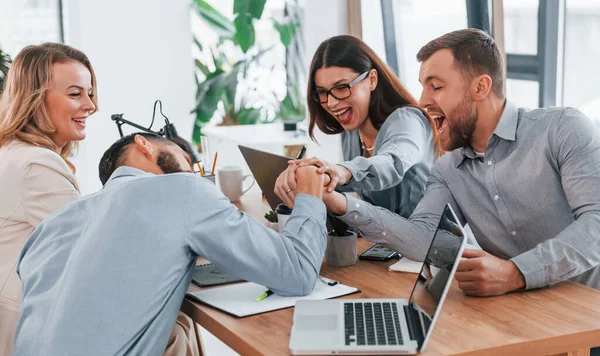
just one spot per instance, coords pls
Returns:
(339, 92)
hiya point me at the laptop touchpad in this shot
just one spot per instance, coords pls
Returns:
(316, 322)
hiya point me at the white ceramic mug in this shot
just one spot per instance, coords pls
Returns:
(231, 180)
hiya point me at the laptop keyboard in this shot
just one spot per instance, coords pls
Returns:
(372, 324)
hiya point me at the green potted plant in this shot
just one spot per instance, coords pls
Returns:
(5, 62)
(271, 220)
(218, 75)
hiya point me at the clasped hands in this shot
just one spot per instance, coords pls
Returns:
(287, 184)
(478, 273)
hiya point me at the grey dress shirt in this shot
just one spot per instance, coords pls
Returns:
(395, 176)
(107, 274)
(533, 198)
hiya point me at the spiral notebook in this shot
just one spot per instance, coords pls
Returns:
(210, 275)
(240, 299)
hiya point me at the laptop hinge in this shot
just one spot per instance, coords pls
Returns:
(414, 325)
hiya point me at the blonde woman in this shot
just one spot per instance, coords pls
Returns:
(49, 93)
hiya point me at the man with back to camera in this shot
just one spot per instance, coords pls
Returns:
(107, 274)
(526, 181)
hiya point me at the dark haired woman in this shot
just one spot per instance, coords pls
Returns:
(388, 142)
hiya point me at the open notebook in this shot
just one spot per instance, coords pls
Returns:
(240, 299)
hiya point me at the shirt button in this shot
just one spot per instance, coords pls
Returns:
(496, 197)
(489, 163)
(357, 205)
(514, 233)
(383, 233)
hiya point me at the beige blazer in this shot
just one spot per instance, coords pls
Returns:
(34, 183)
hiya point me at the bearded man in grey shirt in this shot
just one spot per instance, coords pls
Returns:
(526, 181)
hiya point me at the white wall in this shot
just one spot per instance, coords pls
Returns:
(141, 51)
(323, 19)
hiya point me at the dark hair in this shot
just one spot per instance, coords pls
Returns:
(475, 53)
(115, 155)
(352, 53)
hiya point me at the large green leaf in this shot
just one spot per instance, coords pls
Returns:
(244, 35)
(213, 17)
(254, 8)
(246, 11)
(287, 31)
(203, 68)
(198, 44)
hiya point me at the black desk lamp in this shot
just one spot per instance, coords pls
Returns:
(167, 131)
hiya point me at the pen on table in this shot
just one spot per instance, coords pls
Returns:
(264, 295)
(212, 171)
(302, 151)
(329, 282)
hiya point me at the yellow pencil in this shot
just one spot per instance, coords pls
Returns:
(212, 171)
(200, 168)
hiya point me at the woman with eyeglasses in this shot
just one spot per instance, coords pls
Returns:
(388, 141)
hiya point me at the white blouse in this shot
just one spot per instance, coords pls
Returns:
(34, 183)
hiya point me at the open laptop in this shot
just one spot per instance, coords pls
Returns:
(265, 168)
(383, 326)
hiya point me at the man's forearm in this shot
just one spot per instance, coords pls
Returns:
(336, 203)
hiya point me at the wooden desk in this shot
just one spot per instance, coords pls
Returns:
(564, 319)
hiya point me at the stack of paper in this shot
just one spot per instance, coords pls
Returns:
(406, 265)
(240, 299)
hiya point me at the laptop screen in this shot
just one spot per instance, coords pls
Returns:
(438, 267)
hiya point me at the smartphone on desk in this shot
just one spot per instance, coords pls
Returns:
(378, 253)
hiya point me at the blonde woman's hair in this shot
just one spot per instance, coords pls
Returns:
(23, 115)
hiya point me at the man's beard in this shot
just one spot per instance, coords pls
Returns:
(168, 163)
(464, 118)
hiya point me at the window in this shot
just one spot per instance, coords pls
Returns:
(582, 57)
(520, 26)
(523, 93)
(28, 22)
(416, 22)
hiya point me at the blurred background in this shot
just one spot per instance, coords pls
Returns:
(233, 70)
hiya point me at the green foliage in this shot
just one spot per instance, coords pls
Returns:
(5, 62)
(214, 18)
(246, 11)
(271, 216)
(286, 30)
(292, 107)
(217, 78)
(338, 225)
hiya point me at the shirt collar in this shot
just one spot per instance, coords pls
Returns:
(507, 126)
(505, 129)
(125, 171)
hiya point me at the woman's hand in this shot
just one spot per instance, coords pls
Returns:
(285, 185)
(339, 175)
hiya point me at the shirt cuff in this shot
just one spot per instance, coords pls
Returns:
(357, 174)
(529, 266)
(355, 212)
(311, 206)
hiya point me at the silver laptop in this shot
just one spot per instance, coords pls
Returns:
(383, 326)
